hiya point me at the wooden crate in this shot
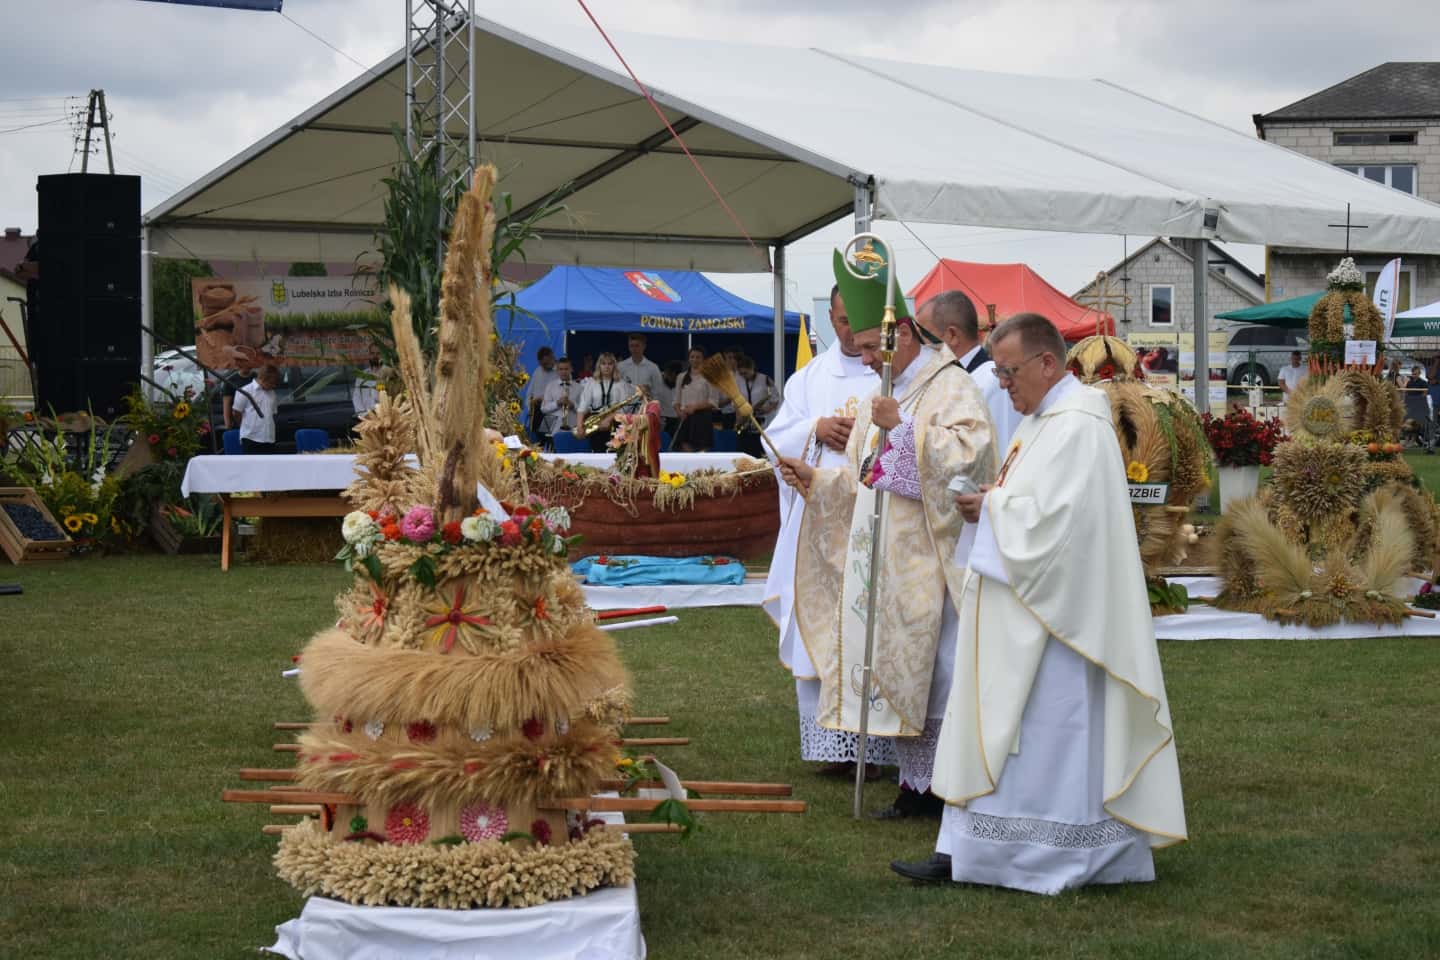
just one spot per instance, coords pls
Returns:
(169, 539)
(21, 549)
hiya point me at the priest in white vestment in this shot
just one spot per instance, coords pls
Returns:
(939, 430)
(1057, 756)
(813, 424)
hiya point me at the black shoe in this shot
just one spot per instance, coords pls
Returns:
(910, 803)
(936, 868)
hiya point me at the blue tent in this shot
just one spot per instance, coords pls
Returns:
(589, 310)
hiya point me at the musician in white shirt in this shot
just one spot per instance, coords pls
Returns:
(599, 392)
(561, 400)
(759, 391)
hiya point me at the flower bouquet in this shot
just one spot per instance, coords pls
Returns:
(1240, 439)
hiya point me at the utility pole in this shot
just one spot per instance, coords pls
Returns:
(95, 116)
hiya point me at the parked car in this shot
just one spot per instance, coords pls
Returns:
(308, 398)
(175, 370)
(1257, 353)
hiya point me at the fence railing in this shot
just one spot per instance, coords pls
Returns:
(15, 387)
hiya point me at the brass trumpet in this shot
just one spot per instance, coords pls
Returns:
(593, 421)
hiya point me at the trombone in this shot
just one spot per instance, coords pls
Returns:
(592, 422)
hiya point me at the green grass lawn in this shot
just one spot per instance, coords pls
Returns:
(139, 685)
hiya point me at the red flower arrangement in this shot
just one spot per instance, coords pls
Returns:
(1240, 440)
(407, 823)
(540, 830)
(451, 532)
(422, 731)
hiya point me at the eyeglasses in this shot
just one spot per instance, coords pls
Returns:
(1008, 373)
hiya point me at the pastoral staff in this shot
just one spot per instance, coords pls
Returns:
(813, 424)
(1057, 757)
(940, 430)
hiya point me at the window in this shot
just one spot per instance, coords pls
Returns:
(1162, 296)
(1401, 176)
(1372, 138)
(1404, 284)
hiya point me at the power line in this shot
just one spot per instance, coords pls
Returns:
(31, 126)
(378, 76)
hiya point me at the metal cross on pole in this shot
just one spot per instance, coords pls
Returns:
(1348, 227)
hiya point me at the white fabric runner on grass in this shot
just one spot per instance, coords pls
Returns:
(1204, 622)
(248, 473)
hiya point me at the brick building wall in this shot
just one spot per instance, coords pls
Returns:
(1294, 273)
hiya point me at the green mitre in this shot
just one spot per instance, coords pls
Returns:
(865, 298)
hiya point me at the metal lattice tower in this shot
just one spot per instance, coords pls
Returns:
(440, 83)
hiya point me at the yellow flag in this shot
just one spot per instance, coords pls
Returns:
(802, 350)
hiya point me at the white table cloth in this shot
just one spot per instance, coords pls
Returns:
(1204, 622)
(334, 471)
(603, 925)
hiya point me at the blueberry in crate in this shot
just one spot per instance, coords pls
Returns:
(32, 523)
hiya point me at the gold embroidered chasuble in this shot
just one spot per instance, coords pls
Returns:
(1065, 537)
(953, 437)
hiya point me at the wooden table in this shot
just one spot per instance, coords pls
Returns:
(274, 505)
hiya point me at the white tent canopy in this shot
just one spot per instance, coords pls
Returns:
(794, 139)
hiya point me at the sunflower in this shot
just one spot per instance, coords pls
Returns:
(73, 523)
(1137, 472)
(182, 410)
(90, 518)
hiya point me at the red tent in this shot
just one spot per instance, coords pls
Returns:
(1012, 288)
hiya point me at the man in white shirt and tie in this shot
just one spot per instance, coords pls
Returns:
(951, 317)
(638, 371)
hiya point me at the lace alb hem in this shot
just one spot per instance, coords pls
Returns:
(917, 756)
(1047, 833)
(821, 745)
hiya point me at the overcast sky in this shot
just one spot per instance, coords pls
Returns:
(189, 87)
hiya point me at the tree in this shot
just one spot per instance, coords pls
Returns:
(173, 310)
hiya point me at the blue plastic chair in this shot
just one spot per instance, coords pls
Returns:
(725, 442)
(311, 440)
(230, 440)
(566, 442)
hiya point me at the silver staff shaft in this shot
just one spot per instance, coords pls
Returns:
(877, 519)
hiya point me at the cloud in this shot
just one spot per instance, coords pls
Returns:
(190, 87)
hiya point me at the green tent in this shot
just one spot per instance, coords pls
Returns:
(1419, 322)
(1292, 314)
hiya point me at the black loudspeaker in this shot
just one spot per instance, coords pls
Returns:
(87, 325)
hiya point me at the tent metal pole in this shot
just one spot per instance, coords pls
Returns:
(147, 311)
(864, 200)
(1200, 251)
(779, 338)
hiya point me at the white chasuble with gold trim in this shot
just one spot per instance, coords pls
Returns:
(952, 438)
(1060, 529)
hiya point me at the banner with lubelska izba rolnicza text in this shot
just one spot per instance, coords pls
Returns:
(285, 321)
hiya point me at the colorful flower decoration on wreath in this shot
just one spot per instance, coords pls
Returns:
(455, 622)
(1137, 472)
(407, 823)
(421, 731)
(480, 821)
(379, 606)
